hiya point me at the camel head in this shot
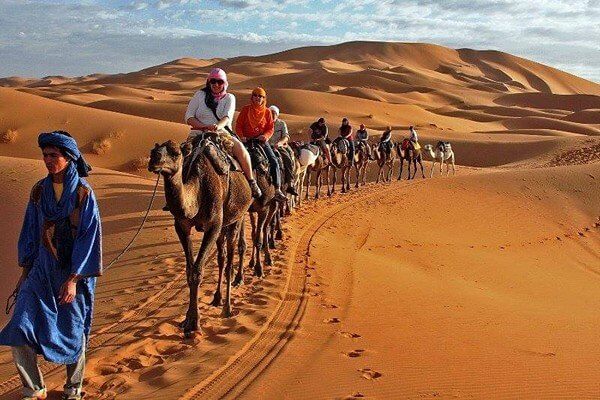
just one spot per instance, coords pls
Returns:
(165, 158)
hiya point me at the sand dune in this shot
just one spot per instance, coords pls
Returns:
(479, 285)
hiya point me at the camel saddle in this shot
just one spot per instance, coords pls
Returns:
(210, 146)
(406, 143)
(297, 146)
(258, 158)
(342, 145)
(443, 146)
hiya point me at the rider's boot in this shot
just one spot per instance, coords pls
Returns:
(279, 195)
(291, 190)
(256, 192)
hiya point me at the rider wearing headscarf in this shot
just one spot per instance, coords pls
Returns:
(59, 250)
(255, 121)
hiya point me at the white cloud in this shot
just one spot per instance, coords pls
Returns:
(557, 32)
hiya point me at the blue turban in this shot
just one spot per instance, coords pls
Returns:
(61, 140)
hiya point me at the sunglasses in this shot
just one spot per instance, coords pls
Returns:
(216, 81)
(258, 95)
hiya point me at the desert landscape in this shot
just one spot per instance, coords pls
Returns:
(482, 284)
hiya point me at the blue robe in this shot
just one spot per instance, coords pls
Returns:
(53, 330)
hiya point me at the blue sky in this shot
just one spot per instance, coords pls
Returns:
(64, 37)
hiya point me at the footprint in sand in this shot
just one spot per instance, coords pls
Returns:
(333, 320)
(350, 335)
(357, 395)
(330, 306)
(353, 353)
(370, 374)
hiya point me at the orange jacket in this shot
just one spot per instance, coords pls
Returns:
(244, 129)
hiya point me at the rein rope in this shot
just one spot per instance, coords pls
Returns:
(12, 299)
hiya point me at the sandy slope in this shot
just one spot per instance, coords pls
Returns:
(422, 291)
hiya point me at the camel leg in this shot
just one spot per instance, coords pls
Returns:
(239, 278)
(334, 170)
(195, 277)
(432, 168)
(253, 223)
(348, 178)
(401, 168)
(278, 225)
(442, 166)
(232, 232)
(357, 168)
(308, 174)
(453, 167)
(184, 235)
(329, 192)
(273, 209)
(318, 183)
(270, 227)
(300, 186)
(258, 241)
(414, 168)
(422, 170)
(221, 263)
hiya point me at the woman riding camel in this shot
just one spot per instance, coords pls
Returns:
(211, 109)
(255, 121)
(345, 132)
(385, 142)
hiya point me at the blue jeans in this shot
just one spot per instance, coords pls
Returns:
(274, 167)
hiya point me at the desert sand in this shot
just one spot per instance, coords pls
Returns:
(484, 284)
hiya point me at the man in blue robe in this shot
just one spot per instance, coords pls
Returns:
(61, 256)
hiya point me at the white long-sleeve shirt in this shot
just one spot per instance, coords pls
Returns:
(197, 108)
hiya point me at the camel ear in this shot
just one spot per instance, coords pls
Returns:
(156, 145)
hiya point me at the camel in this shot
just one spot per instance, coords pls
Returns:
(341, 162)
(383, 160)
(261, 211)
(305, 159)
(406, 151)
(212, 202)
(443, 152)
(321, 167)
(361, 161)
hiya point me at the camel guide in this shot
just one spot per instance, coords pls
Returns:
(60, 252)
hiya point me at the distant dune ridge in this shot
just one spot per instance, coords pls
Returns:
(481, 285)
(444, 92)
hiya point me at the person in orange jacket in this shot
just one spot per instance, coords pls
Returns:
(255, 122)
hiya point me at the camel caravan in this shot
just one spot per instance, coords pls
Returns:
(218, 176)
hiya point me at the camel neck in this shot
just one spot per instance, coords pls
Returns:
(181, 198)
